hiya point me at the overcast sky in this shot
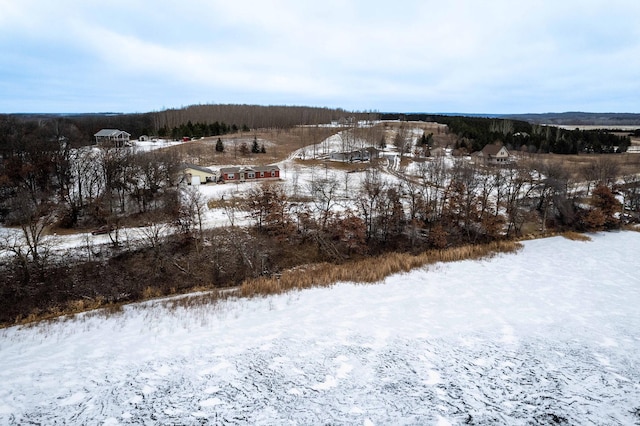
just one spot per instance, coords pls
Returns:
(466, 56)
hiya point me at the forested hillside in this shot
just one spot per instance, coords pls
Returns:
(476, 132)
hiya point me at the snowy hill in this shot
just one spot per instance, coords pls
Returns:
(546, 335)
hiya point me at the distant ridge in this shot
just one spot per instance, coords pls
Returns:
(48, 115)
(579, 118)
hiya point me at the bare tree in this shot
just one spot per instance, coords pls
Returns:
(369, 200)
(433, 176)
(324, 193)
(402, 141)
(390, 215)
(192, 209)
(630, 190)
(118, 174)
(601, 170)
(155, 171)
(231, 206)
(154, 234)
(30, 246)
(268, 205)
(518, 184)
(552, 191)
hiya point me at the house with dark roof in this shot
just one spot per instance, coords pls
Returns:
(495, 153)
(112, 137)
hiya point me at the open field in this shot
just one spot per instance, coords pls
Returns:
(626, 163)
(621, 128)
(279, 144)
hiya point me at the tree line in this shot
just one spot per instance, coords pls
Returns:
(476, 132)
(191, 121)
(198, 130)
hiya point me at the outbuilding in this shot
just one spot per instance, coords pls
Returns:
(195, 175)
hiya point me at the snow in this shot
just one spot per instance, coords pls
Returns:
(296, 177)
(549, 334)
(146, 146)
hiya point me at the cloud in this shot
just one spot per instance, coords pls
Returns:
(490, 56)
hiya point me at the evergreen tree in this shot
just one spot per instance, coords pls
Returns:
(219, 146)
(263, 150)
(255, 148)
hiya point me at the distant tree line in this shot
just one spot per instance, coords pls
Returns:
(253, 116)
(191, 121)
(604, 120)
(476, 132)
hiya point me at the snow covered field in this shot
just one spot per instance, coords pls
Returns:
(550, 334)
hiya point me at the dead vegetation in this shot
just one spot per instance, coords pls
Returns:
(368, 270)
(624, 164)
(576, 236)
(278, 143)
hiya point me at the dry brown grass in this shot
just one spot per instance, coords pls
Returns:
(102, 308)
(72, 308)
(369, 270)
(627, 163)
(631, 227)
(279, 144)
(575, 236)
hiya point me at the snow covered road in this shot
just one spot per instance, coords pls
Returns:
(548, 335)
